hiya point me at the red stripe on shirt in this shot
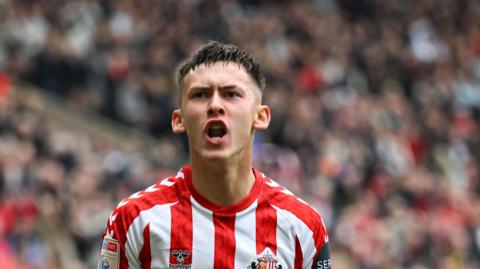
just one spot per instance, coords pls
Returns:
(266, 227)
(181, 235)
(298, 255)
(224, 256)
(145, 255)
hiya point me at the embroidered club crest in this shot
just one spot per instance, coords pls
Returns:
(180, 255)
(265, 260)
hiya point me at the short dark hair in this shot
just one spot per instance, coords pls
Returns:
(215, 51)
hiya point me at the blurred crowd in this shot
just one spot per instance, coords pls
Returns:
(375, 104)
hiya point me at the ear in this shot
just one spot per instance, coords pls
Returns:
(177, 122)
(263, 118)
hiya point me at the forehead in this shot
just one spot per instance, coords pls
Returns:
(219, 74)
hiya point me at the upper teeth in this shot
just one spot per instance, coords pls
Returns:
(216, 126)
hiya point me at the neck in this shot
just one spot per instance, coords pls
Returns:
(223, 182)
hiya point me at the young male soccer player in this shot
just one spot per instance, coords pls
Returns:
(217, 212)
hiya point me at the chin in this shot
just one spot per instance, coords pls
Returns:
(219, 154)
(215, 156)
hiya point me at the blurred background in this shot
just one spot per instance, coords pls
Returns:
(375, 104)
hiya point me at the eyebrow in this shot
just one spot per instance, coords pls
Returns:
(223, 87)
(198, 88)
(229, 87)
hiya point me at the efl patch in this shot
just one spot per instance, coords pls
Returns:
(110, 254)
(265, 260)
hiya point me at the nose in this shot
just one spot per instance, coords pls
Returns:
(215, 106)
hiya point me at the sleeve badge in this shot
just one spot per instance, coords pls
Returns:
(110, 254)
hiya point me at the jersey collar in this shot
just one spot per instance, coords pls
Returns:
(220, 209)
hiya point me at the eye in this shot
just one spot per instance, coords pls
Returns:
(199, 94)
(232, 94)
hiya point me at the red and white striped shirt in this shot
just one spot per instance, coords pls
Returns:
(170, 225)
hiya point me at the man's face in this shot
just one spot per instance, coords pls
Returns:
(220, 109)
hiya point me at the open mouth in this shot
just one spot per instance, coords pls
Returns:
(216, 130)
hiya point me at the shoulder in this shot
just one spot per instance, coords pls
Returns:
(293, 209)
(284, 199)
(160, 195)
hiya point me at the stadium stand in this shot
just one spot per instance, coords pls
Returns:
(376, 119)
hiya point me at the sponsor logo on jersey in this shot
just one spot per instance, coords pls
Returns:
(323, 260)
(180, 255)
(265, 260)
